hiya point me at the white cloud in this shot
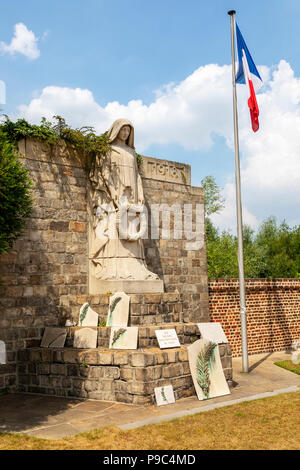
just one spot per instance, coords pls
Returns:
(23, 42)
(191, 112)
(227, 219)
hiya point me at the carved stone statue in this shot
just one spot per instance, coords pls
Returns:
(118, 221)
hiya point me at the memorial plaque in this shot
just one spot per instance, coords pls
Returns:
(212, 332)
(85, 338)
(2, 353)
(54, 338)
(206, 370)
(123, 338)
(118, 311)
(87, 316)
(164, 395)
(167, 338)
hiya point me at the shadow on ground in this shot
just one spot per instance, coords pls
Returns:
(19, 412)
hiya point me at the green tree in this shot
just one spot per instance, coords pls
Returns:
(281, 245)
(274, 251)
(214, 202)
(15, 194)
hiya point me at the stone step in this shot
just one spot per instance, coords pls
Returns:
(144, 309)
(186, 332)
(105, 374)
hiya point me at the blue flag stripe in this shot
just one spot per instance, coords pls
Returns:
(240, 78)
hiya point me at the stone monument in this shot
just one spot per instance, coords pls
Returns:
(117, 226)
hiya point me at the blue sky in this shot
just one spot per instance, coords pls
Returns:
(94, 61)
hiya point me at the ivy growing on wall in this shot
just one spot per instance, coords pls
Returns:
(84, 140)
(15, 183)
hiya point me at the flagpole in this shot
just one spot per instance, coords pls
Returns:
(239, 208)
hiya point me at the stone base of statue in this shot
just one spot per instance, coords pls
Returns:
(100, 286)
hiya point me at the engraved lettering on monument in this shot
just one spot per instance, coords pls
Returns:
(165, 171)
(167, 338)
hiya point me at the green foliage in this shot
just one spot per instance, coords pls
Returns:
(281, 244)
(15, 194)
(273, 252)
(214, 202)
(84, 139)
(20, 129)
(139, 160)
(288, 365)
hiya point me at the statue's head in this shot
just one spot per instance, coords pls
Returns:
(123, 130)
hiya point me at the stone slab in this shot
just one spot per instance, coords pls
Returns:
(208, 374)
(54, 338)
(118, 311)
(167, 338)
(123, 338)
(164, 395)
(2, 353)
(85, 338)
(87, 316)
(212, 332)
(98, 286)
(165, 170)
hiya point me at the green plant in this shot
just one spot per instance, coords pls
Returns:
(85, 364)
(15, 194)
(139, 160)
(84, 140)
(102, 322)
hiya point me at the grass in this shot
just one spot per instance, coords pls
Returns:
(289, 365)
(269, 423)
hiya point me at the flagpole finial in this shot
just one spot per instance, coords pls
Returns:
(231, 12)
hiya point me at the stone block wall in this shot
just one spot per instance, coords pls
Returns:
(103, 374)
(44, 279)
(273, 312)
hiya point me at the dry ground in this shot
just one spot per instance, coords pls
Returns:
(269, 423)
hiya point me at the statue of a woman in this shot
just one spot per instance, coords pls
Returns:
(117, 251)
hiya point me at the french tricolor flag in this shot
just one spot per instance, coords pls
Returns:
(248, 73)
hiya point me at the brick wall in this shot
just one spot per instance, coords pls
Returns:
(273, 312)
